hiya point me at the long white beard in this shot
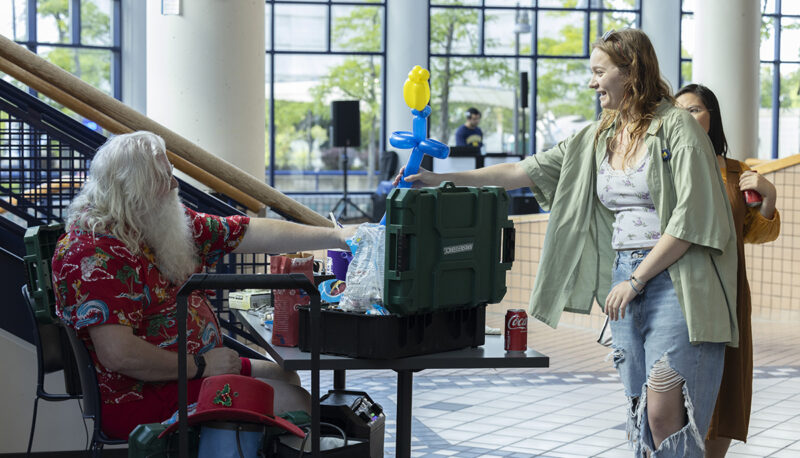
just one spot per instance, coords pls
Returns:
(168, 233)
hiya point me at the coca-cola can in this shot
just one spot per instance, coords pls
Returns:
(752, 198)
(516, 339)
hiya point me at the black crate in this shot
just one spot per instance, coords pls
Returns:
(386, 337)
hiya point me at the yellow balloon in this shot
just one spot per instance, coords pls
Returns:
(416, 90)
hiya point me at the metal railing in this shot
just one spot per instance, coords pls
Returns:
(44, 157)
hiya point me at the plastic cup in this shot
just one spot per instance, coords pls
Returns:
(338, 261)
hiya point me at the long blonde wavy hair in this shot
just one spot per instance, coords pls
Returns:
(631, 51)
(127, 178)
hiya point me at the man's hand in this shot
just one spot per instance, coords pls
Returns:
(345, 233)
(221, 360)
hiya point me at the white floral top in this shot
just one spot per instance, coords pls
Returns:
(625, 192)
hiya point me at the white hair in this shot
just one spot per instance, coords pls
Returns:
(128, 195)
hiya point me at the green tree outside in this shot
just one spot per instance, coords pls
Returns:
(357, 77)
(92, 66)
(451, 27)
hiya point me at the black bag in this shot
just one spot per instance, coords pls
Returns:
(288, 446)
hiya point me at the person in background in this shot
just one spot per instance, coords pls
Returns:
(129, 245)
(469, 134)
(639, 223)
(753, 225)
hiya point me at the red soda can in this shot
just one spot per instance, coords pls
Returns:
(752, 198)
(516, 330)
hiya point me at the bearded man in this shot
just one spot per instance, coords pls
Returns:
(129, 246)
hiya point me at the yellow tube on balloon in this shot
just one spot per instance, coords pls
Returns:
(416, 90)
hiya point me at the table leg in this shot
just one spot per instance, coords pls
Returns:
(405, 380)
(339, 378)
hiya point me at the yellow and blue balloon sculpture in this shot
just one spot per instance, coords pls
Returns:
(417, 93)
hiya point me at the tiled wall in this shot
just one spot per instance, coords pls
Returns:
(773, 268)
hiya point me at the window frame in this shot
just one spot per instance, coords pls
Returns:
(75, 26)
(534, 56)
(272, 52)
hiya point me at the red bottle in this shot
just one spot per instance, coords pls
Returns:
(516, 335)
(752, 198)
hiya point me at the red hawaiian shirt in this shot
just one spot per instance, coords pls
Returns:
(97, 280)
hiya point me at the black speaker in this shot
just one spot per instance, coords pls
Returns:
(523, 85)
(523, 205)
(346, 123)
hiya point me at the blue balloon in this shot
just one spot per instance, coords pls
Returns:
(419, 145)
(403, 140)
(434, 148)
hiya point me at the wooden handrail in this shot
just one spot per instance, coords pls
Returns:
(59, 80)
(115, 127)
(777, 164)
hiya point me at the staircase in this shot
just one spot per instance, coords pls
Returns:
(44, 158)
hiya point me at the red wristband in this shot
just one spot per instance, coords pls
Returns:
(246, 367)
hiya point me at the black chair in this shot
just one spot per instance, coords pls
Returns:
(92, 403)
(53, 353)
(388, 162)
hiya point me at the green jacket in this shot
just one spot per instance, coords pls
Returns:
(687, 189)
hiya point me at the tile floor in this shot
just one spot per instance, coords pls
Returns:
(575, 408)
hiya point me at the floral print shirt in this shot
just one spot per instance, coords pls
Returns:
(97, 280)
(625, 192)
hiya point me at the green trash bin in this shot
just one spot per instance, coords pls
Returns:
(40, 244)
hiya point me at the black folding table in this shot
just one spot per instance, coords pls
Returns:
(490, 355)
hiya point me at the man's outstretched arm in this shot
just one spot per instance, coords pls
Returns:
(266, 235)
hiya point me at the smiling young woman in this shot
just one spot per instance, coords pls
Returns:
(650, 237)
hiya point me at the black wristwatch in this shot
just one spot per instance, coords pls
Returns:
(200, 362)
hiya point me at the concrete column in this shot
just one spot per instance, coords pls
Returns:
(406, 46)
(660, 21)
(726, 40)
(205, 76)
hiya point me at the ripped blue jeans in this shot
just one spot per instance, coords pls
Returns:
(651, 349)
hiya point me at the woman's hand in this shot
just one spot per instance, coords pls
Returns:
(618, 299)
(419, 179)
(754, 181)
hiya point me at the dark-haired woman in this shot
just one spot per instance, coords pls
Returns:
(753, 225)
(637, 225)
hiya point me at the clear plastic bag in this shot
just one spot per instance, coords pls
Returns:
(365, 273)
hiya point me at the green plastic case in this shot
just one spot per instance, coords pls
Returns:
(40, 244)
(446, 247)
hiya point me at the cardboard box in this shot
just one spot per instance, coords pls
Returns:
(249, 299)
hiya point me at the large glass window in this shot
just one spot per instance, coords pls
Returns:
(319, 52)
(80, 36)
(479, 49)
(779, 111)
